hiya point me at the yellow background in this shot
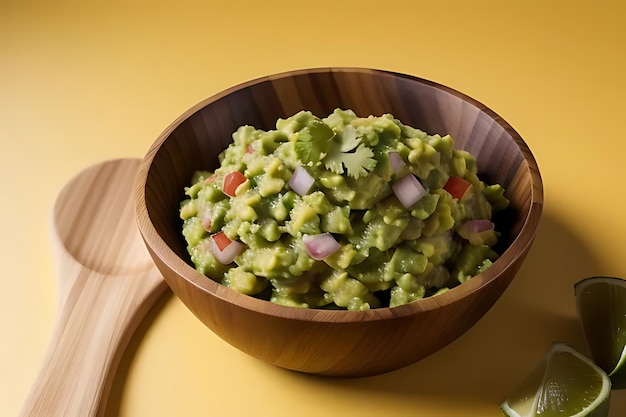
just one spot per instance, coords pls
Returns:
(85, 82)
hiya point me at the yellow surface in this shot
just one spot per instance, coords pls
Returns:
(85, 82)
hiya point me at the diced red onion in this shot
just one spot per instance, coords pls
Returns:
(229, 253)
(476, 226)
(320, 246)
(409, 190)
(206, 219)
(477, 232)
(301, 181)
(396, 161)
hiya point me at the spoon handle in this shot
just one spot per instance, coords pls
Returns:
(97, 316)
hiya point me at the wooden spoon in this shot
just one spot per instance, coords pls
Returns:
(107, 284)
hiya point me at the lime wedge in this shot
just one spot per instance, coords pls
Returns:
(601, 304)
(565, 384)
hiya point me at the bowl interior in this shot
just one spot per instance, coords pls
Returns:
(195, 139)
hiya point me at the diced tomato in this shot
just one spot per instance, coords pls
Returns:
(223, 249)
(233, 180)
(221, 240)
(457, 187)
(210, 179)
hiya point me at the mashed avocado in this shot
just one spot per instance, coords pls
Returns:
(341, 212)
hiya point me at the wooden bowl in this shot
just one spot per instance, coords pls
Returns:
(342, 343)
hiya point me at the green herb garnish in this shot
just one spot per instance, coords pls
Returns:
(339, 153)
(312, 141)
(348, 151)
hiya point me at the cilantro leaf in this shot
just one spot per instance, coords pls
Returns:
(356, 163)
(313, 140)
(359, 162)
(333, 160)
(348, 138)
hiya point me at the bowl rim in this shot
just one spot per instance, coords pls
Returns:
(159, 248)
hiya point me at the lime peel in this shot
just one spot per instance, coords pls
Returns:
(601, 306)
(548, 389)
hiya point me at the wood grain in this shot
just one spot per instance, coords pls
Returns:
(107, 284)
(336, 342)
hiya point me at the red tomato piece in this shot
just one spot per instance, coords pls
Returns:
(457, 187)
(232, 180)
(221, 240)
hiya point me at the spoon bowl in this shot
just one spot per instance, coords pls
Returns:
(107, 284)
(94, 210)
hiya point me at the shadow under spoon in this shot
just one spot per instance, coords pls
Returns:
(107, 283)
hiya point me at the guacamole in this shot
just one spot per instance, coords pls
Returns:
(341, 212)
